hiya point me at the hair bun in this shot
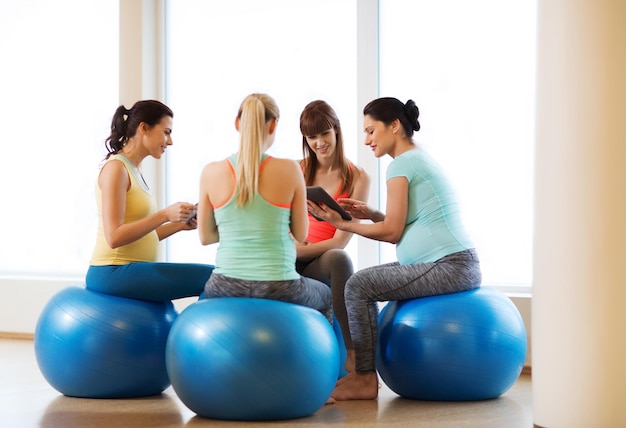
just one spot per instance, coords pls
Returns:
(413, 113)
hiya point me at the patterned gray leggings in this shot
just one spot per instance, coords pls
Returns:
(303, 291)
(392, 281)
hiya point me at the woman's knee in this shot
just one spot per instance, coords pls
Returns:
(355, 288)
(337, 255)
(337, 260)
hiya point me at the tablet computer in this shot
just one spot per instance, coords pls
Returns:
(319, 195)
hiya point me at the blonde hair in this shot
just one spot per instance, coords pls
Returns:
(255, 113)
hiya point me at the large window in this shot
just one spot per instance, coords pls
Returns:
(217, 53)
(470, 67)
(59, 89)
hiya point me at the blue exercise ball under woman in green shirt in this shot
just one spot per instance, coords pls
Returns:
(435, 254)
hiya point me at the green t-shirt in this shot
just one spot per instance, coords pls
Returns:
(433, 226)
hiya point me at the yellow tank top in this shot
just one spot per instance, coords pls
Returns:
(139, 204)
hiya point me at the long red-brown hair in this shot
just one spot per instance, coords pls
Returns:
(318, 117)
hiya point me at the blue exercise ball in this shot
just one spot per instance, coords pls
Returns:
(238, 358)
(94, 345)
(454, 347)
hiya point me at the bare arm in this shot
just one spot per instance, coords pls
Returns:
(390, 226)
(168, 229)
(207, 227)
(114, 183)
(299, 215)
(341, 238)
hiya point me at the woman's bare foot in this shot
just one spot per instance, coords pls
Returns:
(350, 361)
(349, 366)
(356, 386)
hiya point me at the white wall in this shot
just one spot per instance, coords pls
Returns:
(23, 300)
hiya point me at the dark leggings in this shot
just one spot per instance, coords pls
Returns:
(302, 291)
(450, 274)
(333, 268)
(158, 282)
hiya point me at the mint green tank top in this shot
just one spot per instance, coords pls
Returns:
(255, 243)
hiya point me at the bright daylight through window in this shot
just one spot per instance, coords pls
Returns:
(58, 90)
(219, 53)
(468, 65)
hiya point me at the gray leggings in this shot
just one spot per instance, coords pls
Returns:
(333, 268)
(392, 281)
(303, 291)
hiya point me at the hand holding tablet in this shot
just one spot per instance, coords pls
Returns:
(194, 214)
(319, 195)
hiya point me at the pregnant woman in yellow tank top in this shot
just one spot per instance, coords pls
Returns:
(124, 261)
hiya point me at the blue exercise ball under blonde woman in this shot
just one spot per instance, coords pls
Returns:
(254, 206)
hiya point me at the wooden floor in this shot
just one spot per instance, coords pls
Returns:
(26, 400)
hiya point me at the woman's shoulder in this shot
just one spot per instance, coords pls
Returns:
(358, 172)
(281, 170)
(413, 156)
(215, 170)
(218, 164)
(290, 164)
(115, 164)
(357, 169)
(116, 159)
(360, 182)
